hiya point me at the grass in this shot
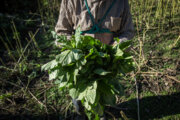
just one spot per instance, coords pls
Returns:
(25, 91)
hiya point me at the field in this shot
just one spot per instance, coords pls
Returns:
(152, 92)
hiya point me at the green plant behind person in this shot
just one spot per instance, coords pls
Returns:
(87, 68)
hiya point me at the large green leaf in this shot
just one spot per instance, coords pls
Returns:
(73, 93)
(88, 92)
(81, 63)
(69, 56)
(88, 41)
(82, 95)
(53, 75)
(86, 69)
(124, 45)
(75, 74)
(87, 105)
(62, 85)
(49, 65)
(91, 93)
(82, 86)
(119, 53)
(106, 92)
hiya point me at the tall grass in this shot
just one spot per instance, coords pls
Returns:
(48, 10)
(151, 15)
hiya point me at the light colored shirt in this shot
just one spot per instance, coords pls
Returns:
(74, 14)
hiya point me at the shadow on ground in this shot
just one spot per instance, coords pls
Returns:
(154, 107)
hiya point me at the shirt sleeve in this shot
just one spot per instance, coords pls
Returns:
(64, 25)
(127, 28)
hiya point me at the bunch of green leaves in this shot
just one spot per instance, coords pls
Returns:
(87, 68)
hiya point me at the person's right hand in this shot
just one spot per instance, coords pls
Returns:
(105, 38)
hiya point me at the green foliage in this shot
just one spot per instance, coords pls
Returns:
(87, 68)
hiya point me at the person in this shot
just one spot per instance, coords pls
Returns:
(101, 19)
(112, 17)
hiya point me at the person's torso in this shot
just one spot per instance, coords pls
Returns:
(98, 8)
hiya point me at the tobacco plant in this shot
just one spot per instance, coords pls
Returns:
(88, 68)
